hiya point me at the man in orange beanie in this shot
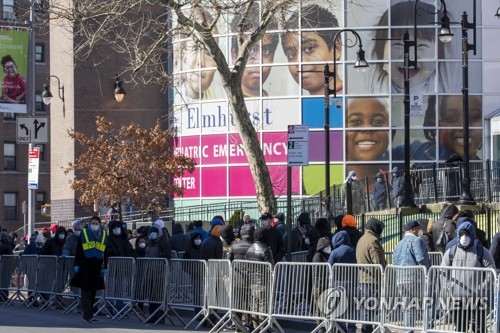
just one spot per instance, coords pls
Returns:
(350, 226)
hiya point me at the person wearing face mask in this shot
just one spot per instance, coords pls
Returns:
(274, 238)
(54, 246)
(410, 251)
(118, 244)
(90, 266)
(468, 252)
(380, 192)
(398, 186)
(34, 247)
(140, 247)
(69, 248)
(357, 193)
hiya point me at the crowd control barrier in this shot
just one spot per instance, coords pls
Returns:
(341, 297)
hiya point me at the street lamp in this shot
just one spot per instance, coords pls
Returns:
(445, 36)
(119, 91)
(360, 65)
(466, 198)
(47, 95)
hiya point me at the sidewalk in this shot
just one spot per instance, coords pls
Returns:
(16, 319)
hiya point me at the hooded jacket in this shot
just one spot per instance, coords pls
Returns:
(227, 235)
(349, 224)
(447, 213)
(323, 227)
(239, 249)
(211, 248)
(179, 241)
(259, 250)
(159, 247)
(342, 250)
(194, 250)
(54, 246)
(464, 283)
(320, 256)
(276, 243)
(117, 246)
(480, 234)
(370, 251)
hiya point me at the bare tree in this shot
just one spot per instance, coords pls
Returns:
(142, 30)
(127, 164)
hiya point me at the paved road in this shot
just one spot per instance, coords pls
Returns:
(16, 319)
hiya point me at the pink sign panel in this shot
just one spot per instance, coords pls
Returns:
(214, 182)
(242, 183)
(191, 184)
(189, 146)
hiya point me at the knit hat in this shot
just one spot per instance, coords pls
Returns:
(215, 221)
(160, 223)
(348, 221)
(351, 174)
(40, 239)
(53, 228)
(76, 223)
(411, 225)
(280, 217)
(216, 231)
(304, 218)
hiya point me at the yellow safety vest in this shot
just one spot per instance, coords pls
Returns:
(88, 245)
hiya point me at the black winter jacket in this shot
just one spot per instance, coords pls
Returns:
(211, 248)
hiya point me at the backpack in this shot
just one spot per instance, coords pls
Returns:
(479, 250)
(443, 239)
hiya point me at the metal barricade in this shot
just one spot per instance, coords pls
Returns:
(300, 256)
(218, 292)
(462, 299)
(356, 291)
(28, 279)
(251, 294)
(403, 300)
(119, 290)
(299, 292)
(47, 283)
(151, 286)
(9, 278)
(66, 266)
(435, 258)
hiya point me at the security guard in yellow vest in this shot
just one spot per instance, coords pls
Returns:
(90, 265)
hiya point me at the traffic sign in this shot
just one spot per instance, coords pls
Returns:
(33, 165)
(298, 145)
(32, 130)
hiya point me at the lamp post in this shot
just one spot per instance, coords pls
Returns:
(466, 198)
(445, 36)
(360, 65)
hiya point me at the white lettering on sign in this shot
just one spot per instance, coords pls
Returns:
(187, 183)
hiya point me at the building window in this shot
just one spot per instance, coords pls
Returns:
(40, 200)
(39, 106)
(9, 156)
(10, 206)
(8, 10)
(43, 155)
(39, 53)
(9, 116)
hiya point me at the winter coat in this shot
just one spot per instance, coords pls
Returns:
(54, 246)
(239, 249)
(354, 235)
(342, 250)
(204, 234)
(5, 244)
(211, 248)
(117, 246)
(89, 275)
(480, 234)
(313, 236)
(276, 243)
(179, 241)
(380, 194)
(31, 249)
(159, 247)
(370, 251)
(70, 245)
(447, 213)
(194, 250)
(462, 283)
(398, 187)
(137, 251)
(259, 250)
(411, 251)
(228, 238)
(320, 256)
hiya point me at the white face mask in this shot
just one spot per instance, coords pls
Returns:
(464, 240)
(77, 233)
(62, 236)
(327, 250)
(379, 180)
(117, 231)
(420, 233)
(142, 245)
(94, 227)
(153, 235)
(197, 242)
(307, 241)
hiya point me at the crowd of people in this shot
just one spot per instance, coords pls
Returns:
(263, 240)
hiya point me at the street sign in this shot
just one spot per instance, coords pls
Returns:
(32, 130)
(33, 165)
(298, 145)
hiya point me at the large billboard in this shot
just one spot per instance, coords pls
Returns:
(14, 61)
(284, 85)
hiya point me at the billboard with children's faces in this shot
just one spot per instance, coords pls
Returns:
(284, 84)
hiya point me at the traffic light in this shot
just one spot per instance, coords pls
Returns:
(45, 210)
